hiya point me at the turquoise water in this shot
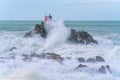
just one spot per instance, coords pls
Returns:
(17, 25)
(90, 26)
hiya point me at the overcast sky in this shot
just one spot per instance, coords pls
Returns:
(60, 9)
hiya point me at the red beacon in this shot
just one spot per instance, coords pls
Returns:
(48, 18)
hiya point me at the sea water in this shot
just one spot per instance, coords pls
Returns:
(107, 33)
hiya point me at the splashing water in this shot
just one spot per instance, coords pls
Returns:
(57, 33)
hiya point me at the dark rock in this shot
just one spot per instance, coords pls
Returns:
(73, 36)
(44, 56)
(99, 59)
(12, 57)
(86, 38)
(28, 34)
(13, 48)
(38, 29)
(102, 69)
(81, 59)
(81, 66)
(25, 55)
(91, 60)
(81, 37)
(108, 68)
(35, 55)
(51, 56)
(27, 58)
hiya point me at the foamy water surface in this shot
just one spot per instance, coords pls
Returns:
(43, 69)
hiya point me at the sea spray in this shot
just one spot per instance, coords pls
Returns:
(57, 33)
(27, 72)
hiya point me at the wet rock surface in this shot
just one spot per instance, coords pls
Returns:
(39, 29)
(81, 66)
(104, 69)
(81, 37)
(99, 59)
(51, 56)
(81, 59)
(92, 60)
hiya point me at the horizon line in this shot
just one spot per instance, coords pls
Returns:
(63, 20)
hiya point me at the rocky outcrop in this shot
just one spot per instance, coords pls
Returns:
(92, 60)
(104, 69)
(81, 37)
(99, 59)
(38, 29)
(76, 36)
(51, 56)
(85, 63)
(81, 59)
(81, 66)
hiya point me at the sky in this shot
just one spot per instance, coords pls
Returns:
(60, 9)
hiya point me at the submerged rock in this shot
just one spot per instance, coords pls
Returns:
(51, 56)
(27, 58)
(102, 69)
(13, 48)
(108, 68)
(28, 34)
(81, 66)
(35, 55)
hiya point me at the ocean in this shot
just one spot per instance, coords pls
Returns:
(107, 33)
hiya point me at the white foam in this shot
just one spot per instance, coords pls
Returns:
(41, 69)
(57, 33)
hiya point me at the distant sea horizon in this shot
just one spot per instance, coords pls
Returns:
(27, 25)
(60, 19)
